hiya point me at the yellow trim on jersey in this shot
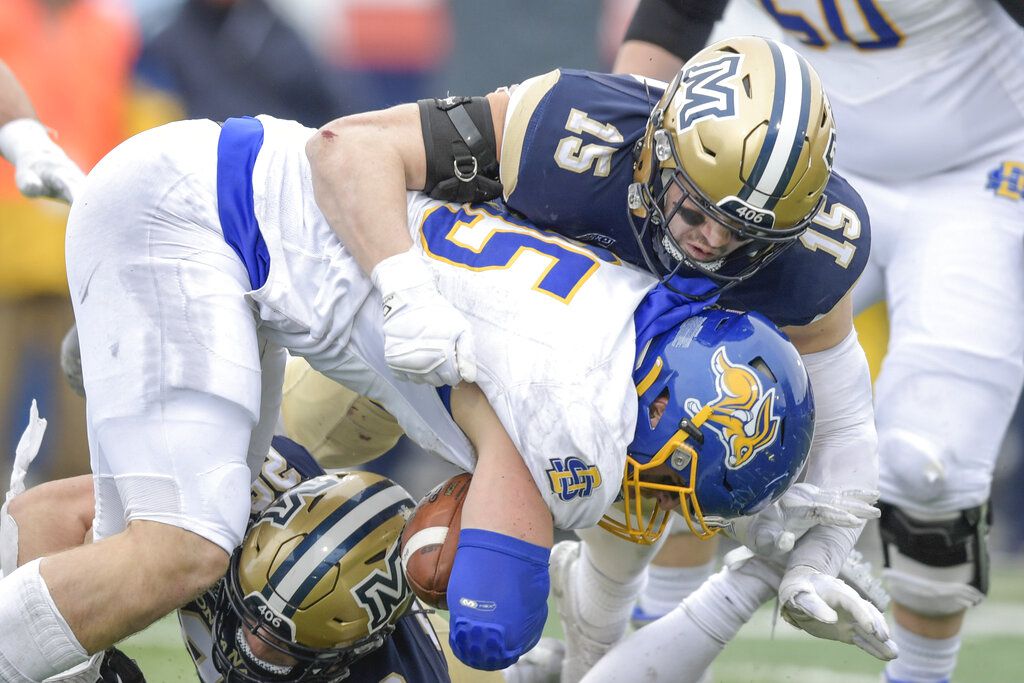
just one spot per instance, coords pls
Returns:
(479, 214)
(522, 103)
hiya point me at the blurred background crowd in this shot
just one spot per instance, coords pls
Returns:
(99, 71)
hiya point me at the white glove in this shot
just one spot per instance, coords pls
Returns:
(775, 529)
(827, 608)
(26, 450)
(71, 361)
(426, 339)
(42, 169)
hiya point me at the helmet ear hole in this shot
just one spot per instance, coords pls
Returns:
(762, 368)
(657, 408)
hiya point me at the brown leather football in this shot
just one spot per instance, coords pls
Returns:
(430, 539)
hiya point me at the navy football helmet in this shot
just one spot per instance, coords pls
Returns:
(317, 579)
(745, 133)
(725, 422)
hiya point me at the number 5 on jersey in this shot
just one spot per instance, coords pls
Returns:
(478, 240)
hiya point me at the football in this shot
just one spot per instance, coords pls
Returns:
(430, 539)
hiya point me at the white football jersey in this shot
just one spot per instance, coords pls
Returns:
(552, 322)
(918, 86)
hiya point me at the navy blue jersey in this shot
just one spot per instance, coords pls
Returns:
(567, 162)
(411, 653)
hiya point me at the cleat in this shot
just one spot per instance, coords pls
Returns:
(581, 651)
(542, 664)
(640, 617)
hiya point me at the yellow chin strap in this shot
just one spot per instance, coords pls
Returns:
(644, 521)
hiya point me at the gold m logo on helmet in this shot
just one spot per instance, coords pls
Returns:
(708, 90)
(384, 590)
(742, 413)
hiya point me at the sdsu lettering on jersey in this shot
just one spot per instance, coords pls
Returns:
(567, 162)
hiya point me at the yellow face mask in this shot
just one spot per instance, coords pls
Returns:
(644, 520)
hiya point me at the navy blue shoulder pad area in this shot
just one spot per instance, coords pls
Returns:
(297, 457)
(575, 163)
(811, 276)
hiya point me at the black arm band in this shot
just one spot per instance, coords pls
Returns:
(458, 137)
(680, 26)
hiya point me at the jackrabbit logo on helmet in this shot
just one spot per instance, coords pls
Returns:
(742, 414)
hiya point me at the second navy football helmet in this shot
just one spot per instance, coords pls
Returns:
(318, 580)
(725, 422)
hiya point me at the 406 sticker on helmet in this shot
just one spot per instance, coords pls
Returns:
(271, 619)
(735, 206)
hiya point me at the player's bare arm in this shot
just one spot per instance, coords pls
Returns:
(362, 166)
(14, 102)
(825, 332)
(503, 496)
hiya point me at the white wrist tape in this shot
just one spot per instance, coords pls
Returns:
(20, 136)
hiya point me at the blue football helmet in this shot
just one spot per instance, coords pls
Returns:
(725, 422)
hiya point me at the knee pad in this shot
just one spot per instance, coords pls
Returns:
(497, 598)
(936, 567)
(912, 464)
(338, 426)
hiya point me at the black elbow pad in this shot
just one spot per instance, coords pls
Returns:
(461, 152)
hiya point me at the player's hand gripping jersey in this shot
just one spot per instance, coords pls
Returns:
(553, 322)
(411, 653)
(556, 344)
(567, 161)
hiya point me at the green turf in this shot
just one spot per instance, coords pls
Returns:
(993, 650)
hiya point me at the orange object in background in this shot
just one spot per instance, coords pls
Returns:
(395, 35)
(74, 59)
(75, 63)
